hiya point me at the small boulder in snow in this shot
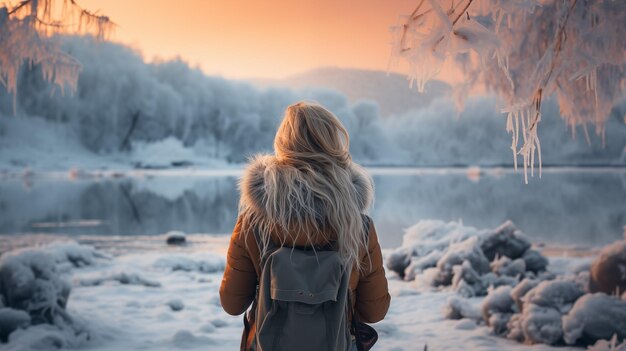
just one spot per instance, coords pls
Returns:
(593, 317)
(459, 308)
(175, 237)
(535, 261)
(418, 264)
(505, 266)
(558, 294)
(498, 301)
(398, 260)
(29, 281)
(520, 290)
(506, 240)
(176, 304)
(455, 255)
(11, 319)
(541, 324)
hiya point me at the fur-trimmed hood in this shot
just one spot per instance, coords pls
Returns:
(257, 191)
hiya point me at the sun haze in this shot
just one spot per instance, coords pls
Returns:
(268, 39)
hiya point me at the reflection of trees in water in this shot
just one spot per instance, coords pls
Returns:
(576, 208)
(207, 206)
(579, 208)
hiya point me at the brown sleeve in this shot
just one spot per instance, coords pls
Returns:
(240, 278)
(372, 294)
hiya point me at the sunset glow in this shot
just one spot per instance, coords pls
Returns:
(268, 39)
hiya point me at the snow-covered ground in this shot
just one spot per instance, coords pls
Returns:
(35, 145)
(133, 293)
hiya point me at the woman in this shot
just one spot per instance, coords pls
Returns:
(308, 194)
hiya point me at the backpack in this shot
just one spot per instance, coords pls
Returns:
(302, 300)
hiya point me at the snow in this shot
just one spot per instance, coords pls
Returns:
(595, 316)
(10, 320)
(183, 312)
(531, 306)
(519, 50)
(167, 153)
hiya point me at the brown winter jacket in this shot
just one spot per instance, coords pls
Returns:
(370, 296)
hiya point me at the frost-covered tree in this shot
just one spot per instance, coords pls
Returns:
(525, 51)
(26, 37)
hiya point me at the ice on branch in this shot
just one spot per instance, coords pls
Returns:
(27, 37)
(524, 51)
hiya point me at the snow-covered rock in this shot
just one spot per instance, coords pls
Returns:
(175, 237)
(535, 261)
(541, 324)
(459, 308)
(506, 240)
(457, 253)
(558, 294)
(73, 255)
(520, 290)
(595, 316)
(124, 278)
(34, 290)
(10, 320)
(505, 266)
(429, 235)
(498, 300)
(203, 263)
(30, 282)
(398, 260)
(418, 264)
(176, 304)
(46, 337)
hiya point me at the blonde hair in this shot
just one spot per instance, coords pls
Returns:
(314, 145)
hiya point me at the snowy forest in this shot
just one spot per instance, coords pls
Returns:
(123, 104)
(494, 132)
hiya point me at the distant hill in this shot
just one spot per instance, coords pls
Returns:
(391, 92)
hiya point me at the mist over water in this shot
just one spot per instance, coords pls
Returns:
(570, 207)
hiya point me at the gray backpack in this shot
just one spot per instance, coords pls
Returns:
(302, 301)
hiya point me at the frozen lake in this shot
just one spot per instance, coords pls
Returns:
(568, 206)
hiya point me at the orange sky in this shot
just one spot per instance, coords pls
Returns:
(260, 39)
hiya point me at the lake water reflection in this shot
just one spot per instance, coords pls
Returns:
(567, 206)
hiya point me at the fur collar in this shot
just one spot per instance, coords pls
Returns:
(255, 190)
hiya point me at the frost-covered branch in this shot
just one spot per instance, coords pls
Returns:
(525, 51)
(26, 36)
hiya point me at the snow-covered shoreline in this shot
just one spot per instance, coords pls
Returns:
(150, 295)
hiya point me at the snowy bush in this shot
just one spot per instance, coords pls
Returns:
(524, 302)
(167, 113)
(468, 259)
(593, 317)
(30, 281)
(34, 291)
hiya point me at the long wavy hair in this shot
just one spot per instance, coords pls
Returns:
(313, 195)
